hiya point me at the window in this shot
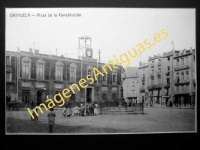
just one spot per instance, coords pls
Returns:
(182, 61)
(177, 63)
(186, 61)
(168, 58)
(159, 80)
(89, 71)
(104, 78)
(182, 76)
(152, 82)
(167, 80)
(114, 96)
(73, 72)
(114, 76)
(26, 66)
(168, 68)
(59, 71)
(104, 97)
(182, 88)
(8, 76)
(40, 69)
(133, 92)
(187, 75)
(8, 62)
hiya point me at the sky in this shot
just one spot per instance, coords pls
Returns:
(113, 30)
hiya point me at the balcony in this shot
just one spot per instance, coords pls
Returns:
(150, 87)
(181, 67)
(167, 72)
(166, 85)
(182, 91)
(9, 69)
(142, 89)
(181, 81)
(157, 86)
(152, 65)
(158, 73)
(159, 63)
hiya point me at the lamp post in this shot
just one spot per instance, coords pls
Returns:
(121, 89)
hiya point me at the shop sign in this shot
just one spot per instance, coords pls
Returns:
(104, 88)
(114, 89)
(58, 86)
(26, 84)
(40, 85)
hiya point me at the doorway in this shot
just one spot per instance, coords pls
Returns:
(39, 97)
(89, 95)
(25, 96)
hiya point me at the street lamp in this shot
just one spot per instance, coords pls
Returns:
(121, 90)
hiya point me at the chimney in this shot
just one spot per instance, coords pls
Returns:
(30, 50)
(190, 48)
(36, 51)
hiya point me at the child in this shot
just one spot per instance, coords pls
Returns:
(51, 116)
(96, 109)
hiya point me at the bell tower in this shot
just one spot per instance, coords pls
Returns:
(85, 46)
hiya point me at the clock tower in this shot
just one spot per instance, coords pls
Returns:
(85, 42)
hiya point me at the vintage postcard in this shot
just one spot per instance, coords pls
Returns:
(100, 70)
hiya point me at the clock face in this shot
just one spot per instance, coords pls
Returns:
(88, 53)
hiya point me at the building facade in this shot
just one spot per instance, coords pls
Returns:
(131, 84)
(170, 77)
(31, 76)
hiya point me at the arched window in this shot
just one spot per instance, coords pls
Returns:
(73, 72)
(26, 68)
(59, 71)
(40, 66)
(114, 76)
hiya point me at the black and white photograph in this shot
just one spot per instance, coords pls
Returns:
(74, 71)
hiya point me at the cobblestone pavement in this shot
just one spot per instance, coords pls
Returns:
(154, 120)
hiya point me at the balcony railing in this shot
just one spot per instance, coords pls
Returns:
(150, 87)
(142, 89)
(152, 65)
(182, 81)
(9, 69)
(180, 67)
(166, 85)
(158, 73)
(158, 86)
(159, 63)
(182, 91)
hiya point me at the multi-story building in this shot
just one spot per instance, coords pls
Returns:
(170, 77)
(31, 76)
(131, 84)
(184, 76)
(143, 82)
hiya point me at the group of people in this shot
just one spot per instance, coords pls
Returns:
(91, 110)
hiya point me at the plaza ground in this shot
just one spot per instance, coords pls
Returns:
(153, 120)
